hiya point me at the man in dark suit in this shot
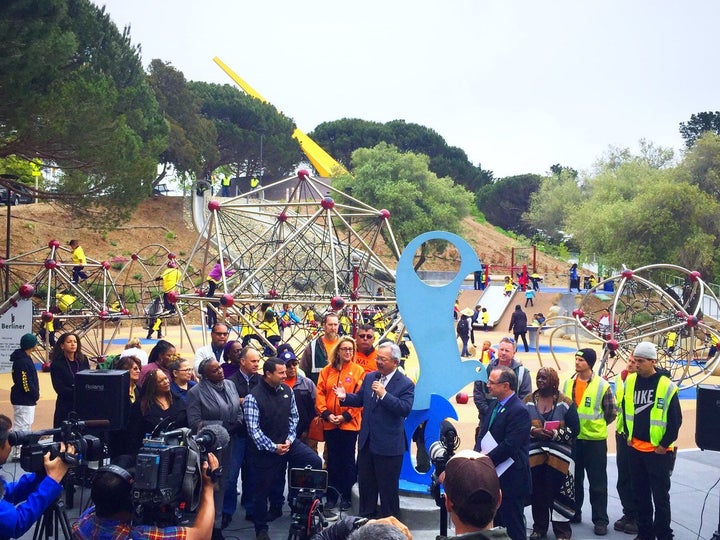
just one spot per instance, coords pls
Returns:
(386, 396)
(509, 425)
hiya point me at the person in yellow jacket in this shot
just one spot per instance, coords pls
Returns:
(341, 424)
(79, 260)
(652, 417)
(628, 522)
(596, 406)
(170, 278)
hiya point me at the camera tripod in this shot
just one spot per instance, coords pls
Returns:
(53, 521)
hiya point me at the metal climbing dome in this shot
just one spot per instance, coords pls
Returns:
(661, 303)
(298, 247)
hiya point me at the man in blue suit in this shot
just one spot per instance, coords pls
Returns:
(386, 397)
(509, 425)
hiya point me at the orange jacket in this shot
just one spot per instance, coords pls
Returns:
(366, 361)
(349, 377)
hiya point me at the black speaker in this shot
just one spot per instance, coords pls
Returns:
(102, 394)
(707, 417)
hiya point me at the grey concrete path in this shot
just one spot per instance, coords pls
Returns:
(694, 498)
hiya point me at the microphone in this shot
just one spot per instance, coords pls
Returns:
(94, 423)
(378, 376)
(212, 438)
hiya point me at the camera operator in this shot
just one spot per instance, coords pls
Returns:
(356, 528)
(111, 517)
(472, 496)
(35, 492)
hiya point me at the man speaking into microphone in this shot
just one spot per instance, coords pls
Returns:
(386, 397)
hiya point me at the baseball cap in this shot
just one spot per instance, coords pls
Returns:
(471, 482)
(287, 356)
(645, 349)
(285, 352)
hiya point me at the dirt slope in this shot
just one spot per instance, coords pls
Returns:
(163, 220)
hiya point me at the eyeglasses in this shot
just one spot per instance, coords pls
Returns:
(365, 336)
(492, 383)
(346, 349)
(134, 368)
(185, 370)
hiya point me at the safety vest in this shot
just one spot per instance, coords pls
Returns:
(664, 392)
(592, 421)
(619, 392)
(225, 182)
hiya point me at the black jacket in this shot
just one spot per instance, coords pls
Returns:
(518, 322)
(26, 388)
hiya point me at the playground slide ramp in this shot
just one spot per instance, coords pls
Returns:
(494, 300)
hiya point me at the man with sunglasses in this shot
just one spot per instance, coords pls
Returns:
(366, 352)
(214, 349)
(483, 398)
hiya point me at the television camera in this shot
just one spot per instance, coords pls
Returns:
(87, 449)
(441, 451)
(168, 470)
(307, 508)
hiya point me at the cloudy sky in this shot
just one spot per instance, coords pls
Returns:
(519, 85)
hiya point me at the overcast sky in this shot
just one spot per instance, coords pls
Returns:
(519, 85)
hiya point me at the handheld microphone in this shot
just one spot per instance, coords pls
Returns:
(378, 376)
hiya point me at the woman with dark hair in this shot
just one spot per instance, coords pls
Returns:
(554, 427)
(66, 359)
(231, 355)
(341, 424)
(133, 365)
(160, 357)
(158, 406)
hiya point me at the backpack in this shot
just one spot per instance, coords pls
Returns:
(463, 327)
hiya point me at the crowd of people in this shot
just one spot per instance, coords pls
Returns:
(547, 440)
(352, 394)
(353, 391)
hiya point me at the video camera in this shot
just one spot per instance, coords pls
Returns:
(168, 471)
(440, 453)
(88, 449)
(307, 509)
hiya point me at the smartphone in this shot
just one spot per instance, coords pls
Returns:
(314, 479)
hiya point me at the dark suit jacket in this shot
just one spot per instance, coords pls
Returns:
(511, 430)
(383, 420)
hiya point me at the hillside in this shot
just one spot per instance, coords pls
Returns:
(163, 220)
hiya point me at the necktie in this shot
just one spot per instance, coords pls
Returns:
(494, 413)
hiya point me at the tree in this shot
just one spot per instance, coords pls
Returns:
(341, 138)
(698, 124)
(402, 183)
(552, 202)
(74, 95)
(505, 201)
(701, 165)
(192, 142)
(243, 125)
